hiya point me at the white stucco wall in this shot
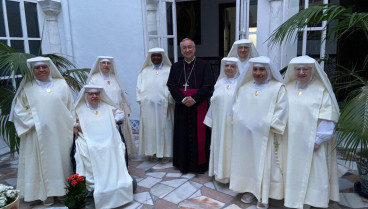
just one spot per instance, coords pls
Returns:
(113, 29)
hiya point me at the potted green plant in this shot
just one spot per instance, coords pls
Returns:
(352, 127)
(76, 192)
(352, 132)
(9, 197)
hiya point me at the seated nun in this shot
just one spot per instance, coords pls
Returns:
(100, 152)
(105, 74)
(219, 122)
(259, 119)
(311, 174)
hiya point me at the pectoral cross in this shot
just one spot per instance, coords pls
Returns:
(185, 86)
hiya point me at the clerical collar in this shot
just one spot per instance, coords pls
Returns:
(105, 76)
(157, 67)
(300, 85)
(190, 61)
(243, 60)
(92, 107)
(260, 86)
(231, 80)
(45, 84)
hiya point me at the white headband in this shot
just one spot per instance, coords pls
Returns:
(38, 63)
(303, 66)
(243, 45)
(105, 60)
(259, 65)
(231, 62)
(92, 90)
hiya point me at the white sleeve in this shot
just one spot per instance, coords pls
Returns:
(208, 119)
(118, 115)
(325, 131)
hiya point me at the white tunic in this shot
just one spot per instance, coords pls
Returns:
(221, 135)
(44, 122)
(311, 176)
(156, 112)
(100, 157)
(114, 92)
(258, 120)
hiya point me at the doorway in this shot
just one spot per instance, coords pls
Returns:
(227, 22)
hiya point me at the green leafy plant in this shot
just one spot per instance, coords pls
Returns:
(76, 192)
(352, 126)
(348, 22)
(13, 67)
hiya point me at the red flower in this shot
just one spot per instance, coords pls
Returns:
(74, 182)
(75, 175)
(67, 179)
(80, 178)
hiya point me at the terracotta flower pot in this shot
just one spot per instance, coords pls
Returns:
(13, 205)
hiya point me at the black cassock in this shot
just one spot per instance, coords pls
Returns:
(191, 137)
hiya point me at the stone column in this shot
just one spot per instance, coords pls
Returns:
(275, 21)
(152, 23)
(51, 33)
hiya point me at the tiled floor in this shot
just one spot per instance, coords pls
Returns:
(161, 186)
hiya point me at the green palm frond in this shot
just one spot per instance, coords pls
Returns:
(345, 79)
(348, 22)
(13, 62)
(76, 78)
(61, 63)
(353, 123)
(7, 129)
(6, 49)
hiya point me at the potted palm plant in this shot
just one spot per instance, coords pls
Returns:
(13, 67)
(352, 127)
(352, 133)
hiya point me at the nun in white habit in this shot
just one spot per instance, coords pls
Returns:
(219, 121)
(105, 74)
(43, 115)
(156, 106)
(100, 152)
(243, 49)
(311, 173)
(259, 119)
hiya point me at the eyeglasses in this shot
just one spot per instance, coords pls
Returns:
(243, 47)
(39, 67)
(93, 93)
(303, 69)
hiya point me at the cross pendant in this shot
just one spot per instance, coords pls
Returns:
(185, 86)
